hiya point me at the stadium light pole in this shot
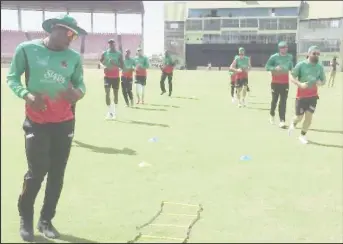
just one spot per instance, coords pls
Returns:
(20, 23)
(92, 21)
(115, 23)
(142, 26)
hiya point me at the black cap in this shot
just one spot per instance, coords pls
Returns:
(111, 41)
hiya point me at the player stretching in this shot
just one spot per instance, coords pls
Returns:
(167, 71)
(279, 64)
(232, 76)
(307, 75)
(111, 60)
(126, 78)
(241, 65)
(142, 64)
(333, 64)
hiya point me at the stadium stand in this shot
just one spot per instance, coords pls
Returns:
(94, 44)
(199, 32)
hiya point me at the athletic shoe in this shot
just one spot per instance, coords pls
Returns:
(132, 103)
(26, 230)
(47, 229)
(290, 129)
(109, 116)
(282, 125)
(243, 103)
(239, 104)
(271, 120)
(303, 139)
(233, 100)
(142, 102)
(163, 92)
(138, 102)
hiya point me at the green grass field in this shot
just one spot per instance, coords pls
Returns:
(288, 192)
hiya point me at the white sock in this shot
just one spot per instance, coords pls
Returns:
(110, 108)
(114, 106)
(139, 91)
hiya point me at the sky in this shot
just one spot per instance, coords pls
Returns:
(153, 23)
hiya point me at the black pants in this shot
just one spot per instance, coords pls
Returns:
(47, 150)
(279, 90)
(126, 86)
(170, 82)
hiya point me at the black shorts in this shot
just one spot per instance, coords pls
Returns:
(241, 82)
(126, 79)
(111, 83)
(141, 80)
(281, 89)
(305, 104)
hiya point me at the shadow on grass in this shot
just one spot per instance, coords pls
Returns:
(161, 105)
(150, 109)
(327, 131)
(258, 103)
(324, 145)
(66, 238)
(189, 98)
(105, 150)
(261, 109)
(143, 123)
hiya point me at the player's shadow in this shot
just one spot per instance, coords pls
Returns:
(261, 109)
(189, 98)
(136, 122)
(105, 150)
(328, 131)
(161, 105)
(324, 145)
(66, 238)
(150, 109)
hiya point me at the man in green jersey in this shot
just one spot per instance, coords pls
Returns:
(307, 75)
(126, 78)
(167, 71)
(241, 65)
(111, 60)
(279, 64)
(142, 64)
(333, 71)
(54, 82)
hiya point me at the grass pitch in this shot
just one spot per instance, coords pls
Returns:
(287, 192)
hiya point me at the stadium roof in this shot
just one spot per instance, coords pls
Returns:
(121, 7)
(242, 4)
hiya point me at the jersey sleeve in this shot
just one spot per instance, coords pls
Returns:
(146, 63)
(322, 76)
(296, 70)
(17, 68)
(291, 64)
(77, 77)
(270, 65)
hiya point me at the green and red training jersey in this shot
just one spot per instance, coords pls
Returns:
(142, 64)
(111, 60)
(47, 73)
(168, 64)
(243, 64)
(129, 66)
(305, 71)
(285, 62)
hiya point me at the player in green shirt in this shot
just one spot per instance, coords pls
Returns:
(129, 65)
(142, 64)
(279, 64)
(241, 65)
(167, 72)
(54, 82)
(307, 75)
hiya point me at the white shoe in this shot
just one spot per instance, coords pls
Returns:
(244, 103)
(290, 129)
(109, 116)
(303, 139)
(271, 120)
(239, 104)
(282, 125)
